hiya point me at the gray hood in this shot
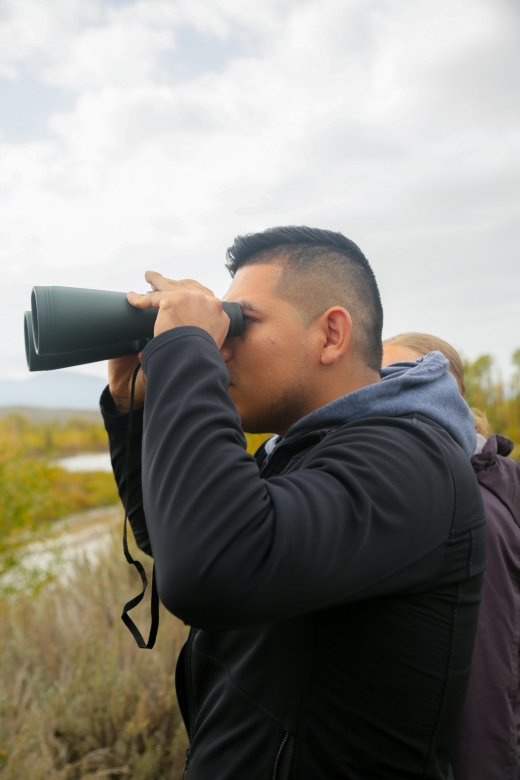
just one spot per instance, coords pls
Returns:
(424, 387)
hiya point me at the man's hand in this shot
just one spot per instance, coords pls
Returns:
(120, 372)
(185, 302)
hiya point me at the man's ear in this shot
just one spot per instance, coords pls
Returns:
(336, 328)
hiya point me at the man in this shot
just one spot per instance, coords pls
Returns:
(332, 582)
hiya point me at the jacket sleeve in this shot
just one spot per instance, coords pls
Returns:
(117, 429)
(367, 513)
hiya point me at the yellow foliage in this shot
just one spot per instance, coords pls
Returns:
(51, 439)
(498, 399)
(254, 440)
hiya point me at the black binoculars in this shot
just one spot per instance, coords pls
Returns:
(70, 326)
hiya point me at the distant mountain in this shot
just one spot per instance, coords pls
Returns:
(53, 390)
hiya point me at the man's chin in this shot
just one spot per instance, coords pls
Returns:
(245, 419)
(250, 420)
(251, 424)
(236, 399)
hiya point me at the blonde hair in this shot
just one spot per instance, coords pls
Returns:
(423, 343)
(482, 425)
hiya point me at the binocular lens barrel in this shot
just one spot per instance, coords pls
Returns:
(70, 319)
(69, 326)
(37, 362)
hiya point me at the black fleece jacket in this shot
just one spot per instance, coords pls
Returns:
(332, 591)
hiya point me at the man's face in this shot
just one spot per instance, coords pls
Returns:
(272, 366)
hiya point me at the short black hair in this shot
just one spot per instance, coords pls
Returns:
(321, 269)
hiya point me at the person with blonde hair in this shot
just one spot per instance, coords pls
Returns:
(411, 346)
(488, 741)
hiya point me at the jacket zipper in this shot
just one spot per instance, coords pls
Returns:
(190, 699)
(286, 747)
(189, 681)
(312, 437)
(186, 764)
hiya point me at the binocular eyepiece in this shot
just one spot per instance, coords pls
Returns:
(70, 326)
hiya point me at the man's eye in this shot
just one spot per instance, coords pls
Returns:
(248, 320)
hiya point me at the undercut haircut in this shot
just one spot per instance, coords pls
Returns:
(320, 269)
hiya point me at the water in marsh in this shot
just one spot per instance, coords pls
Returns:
(85, 461)
(76, 537)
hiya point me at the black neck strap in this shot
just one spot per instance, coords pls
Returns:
(154, 606)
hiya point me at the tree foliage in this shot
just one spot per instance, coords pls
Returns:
(499, 399)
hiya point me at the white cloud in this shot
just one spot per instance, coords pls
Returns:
(359, 116)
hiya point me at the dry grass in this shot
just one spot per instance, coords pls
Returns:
(78, 698)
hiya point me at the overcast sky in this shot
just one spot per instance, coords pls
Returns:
(139, 135)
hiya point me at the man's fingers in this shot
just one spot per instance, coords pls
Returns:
(150, 301)
(153, 299)
(160, 282)
(191, 284)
